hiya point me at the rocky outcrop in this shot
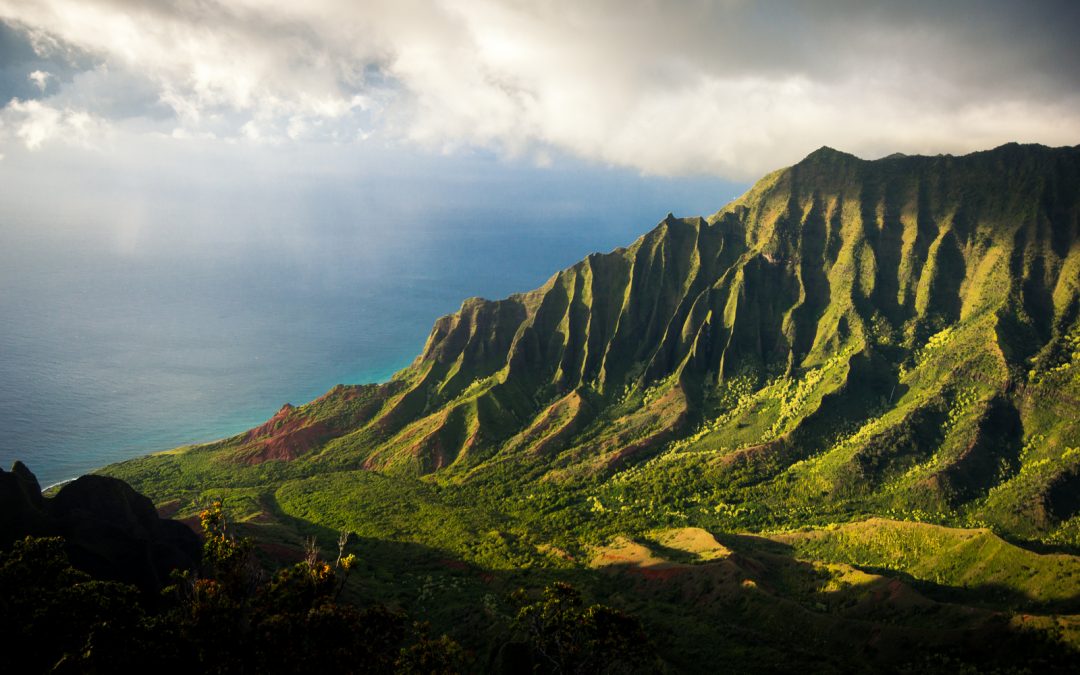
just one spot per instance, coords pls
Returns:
(110, 530)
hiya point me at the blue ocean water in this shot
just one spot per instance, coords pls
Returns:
(109, 352)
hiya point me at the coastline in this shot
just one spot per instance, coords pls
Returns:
(59, 483)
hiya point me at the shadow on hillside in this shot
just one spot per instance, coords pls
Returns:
(759, 610)
(991, 596)
(763, 594)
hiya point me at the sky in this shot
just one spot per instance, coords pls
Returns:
(729, 88)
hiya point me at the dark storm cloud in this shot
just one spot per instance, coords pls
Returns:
(985, 43)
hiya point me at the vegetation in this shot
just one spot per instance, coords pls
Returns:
(850, 349)
(229, 618)
(565, 636)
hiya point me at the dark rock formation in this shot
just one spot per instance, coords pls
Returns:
(111, 531)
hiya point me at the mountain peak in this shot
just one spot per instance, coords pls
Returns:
(827, 154)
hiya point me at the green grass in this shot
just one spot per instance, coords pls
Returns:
(977, 562)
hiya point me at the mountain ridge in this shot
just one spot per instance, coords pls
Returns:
(859, 334)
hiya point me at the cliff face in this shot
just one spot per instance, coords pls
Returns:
(900, 333)
(834, 252)
(110, 530)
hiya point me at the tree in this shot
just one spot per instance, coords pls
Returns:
(230, 617)
(568, 637)
(55, 618)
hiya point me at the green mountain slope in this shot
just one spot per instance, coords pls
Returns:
(896, 338)
(895, 335)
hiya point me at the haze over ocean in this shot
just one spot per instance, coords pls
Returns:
(210, 313)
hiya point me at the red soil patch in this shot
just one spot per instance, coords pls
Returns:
(431, 449)
(559, 422)
(270, 426)
(284, 436)
(647, 444)
(893, 592)
(660, 573)
(674, 400)
(168, 509)
(435, 449)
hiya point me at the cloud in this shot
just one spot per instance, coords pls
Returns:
(40, 78)
(35, 123)
(730, 87)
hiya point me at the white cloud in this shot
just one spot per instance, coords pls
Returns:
(35, 123)
(40, 78)
(729, 87)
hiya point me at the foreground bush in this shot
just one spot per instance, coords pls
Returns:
(229, 618)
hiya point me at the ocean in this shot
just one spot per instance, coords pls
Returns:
(112, 350)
